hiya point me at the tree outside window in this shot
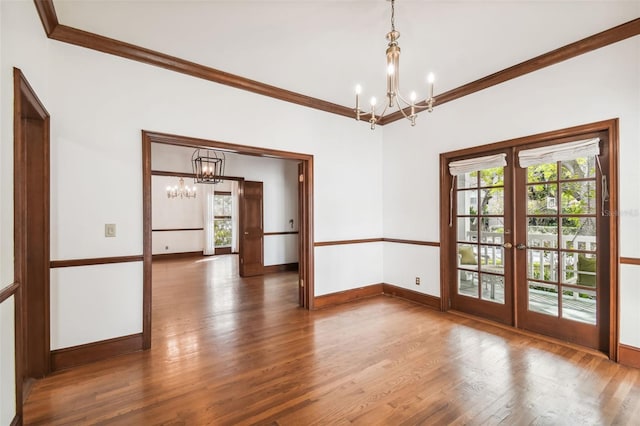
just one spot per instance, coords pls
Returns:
(222, 218)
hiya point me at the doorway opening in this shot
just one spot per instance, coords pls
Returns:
(305, 219)
(528, 235)
(31, 236)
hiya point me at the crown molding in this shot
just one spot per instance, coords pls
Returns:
(63, 33)
(596, 41)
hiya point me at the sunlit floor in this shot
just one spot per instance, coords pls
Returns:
(231, 351)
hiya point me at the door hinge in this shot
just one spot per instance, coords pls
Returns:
(242, 260)
(301, 178)
(302, 283)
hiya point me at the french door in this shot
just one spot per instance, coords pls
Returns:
(529, 239)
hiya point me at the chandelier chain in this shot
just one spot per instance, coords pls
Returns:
(393, 15)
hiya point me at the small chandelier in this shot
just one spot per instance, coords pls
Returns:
(393, 97)
(181, 190)
(208, 166)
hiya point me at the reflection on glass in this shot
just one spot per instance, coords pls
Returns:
(468, 229)
(468, 283)
(492, 177)
(542, 265)
(542, 199)
(492, 201)
(493, 288)
(579, 168)
(468, 180)
(579, 233)
(542, 172)
(543, 298)
(542, 232)
(578, 197)
(579, 305)
(491, 259)
(468, 202)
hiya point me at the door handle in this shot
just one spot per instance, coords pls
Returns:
(246, 233)
(521, 246)
(507, 245)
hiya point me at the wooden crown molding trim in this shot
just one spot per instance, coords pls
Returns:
(94, 261)
(432, 302)
(62, 359)
(344, 242)
(413, 242)
(267, 234)
(119, 48)
(9, 291)
(190, 175)
(48, 16)
(630, 260)
(177, 229)
(63, 33)
(580, 47)
(346, 296)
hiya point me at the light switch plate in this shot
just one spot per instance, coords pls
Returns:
(109, 229)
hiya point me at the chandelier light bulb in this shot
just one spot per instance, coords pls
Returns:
(393, 98)
(390, 69)
(358, 89)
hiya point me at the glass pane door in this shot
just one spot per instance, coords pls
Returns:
(482, 229)
(559, 216)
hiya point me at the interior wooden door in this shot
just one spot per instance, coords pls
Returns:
(481, 226)
(562, 251)
(251, 229)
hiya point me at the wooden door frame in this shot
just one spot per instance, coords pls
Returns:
(609, 126)
(28, 107)
(305, 252)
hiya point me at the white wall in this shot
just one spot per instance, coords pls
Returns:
(600, 85)
(100, 103)
(280, 202)
(175, 213)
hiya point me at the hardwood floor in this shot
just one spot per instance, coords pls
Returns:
(230, 351)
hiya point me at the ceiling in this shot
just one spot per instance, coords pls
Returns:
(323, 48)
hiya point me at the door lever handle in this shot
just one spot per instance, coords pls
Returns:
(521, 246)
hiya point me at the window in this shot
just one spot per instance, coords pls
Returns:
(222, 224)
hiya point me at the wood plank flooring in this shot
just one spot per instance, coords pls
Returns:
(231, 351)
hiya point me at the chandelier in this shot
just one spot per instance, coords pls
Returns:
(393, 96)
(181, 190)
(208, 166)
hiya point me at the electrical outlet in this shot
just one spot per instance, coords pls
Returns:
(109, 229)
(417, 280)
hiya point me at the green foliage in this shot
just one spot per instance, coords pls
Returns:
(222, 232)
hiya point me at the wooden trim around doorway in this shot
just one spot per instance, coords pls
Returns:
(608, 126)
(29, 111)
(306, 253)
